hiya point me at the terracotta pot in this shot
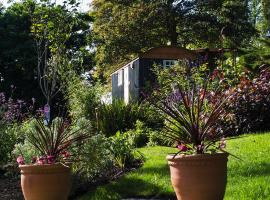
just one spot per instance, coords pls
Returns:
(199, 177)
(45, 182)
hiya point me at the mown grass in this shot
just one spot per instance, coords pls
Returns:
(248, 178)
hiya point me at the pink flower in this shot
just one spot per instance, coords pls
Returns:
(51, 159)
(200, 148)
(20, 160)
(41, 161)
(222, 144)
(65, 154)
(182, 147)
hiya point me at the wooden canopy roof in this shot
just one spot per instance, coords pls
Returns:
(177, 53)
(169, 52)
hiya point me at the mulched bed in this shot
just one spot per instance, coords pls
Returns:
(110, 175)
(10, 189)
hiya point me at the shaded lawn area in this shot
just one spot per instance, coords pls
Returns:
(248, 178)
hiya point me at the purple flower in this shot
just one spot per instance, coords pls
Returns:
(65, 154)
(222, 144)
(20, 160)
(182, 147)
(41, 160)
(50, 159)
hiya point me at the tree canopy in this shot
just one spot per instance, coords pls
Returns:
(125, 28)
(20, 22)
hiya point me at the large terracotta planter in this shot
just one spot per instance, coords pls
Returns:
(45, 182)
(199, 177)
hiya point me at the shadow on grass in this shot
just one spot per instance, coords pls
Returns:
(134, 187)
(161, 169)
(128, 188)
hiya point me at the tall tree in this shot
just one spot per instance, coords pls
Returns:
(18, 55)
(125, 28)
(55, 29)
(266, 14)
(237, 28)
(17, 51)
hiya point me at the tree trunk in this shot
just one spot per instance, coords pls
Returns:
(171, 23)
(266, 13)
(172, 31)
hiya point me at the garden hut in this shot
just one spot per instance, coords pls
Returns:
(128, 80)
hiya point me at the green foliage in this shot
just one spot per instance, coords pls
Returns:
(150, 117)
(55, 139)
(117, 116)
(96, 162)
(22, 146)
(266, 14)
(83, 99)
(156, 139)
(192, 103)
(121, 33)
(257, 55)
(122, 150)
(18, 56)
(100, 157)
(52, 23)
(25, 149)
(17, 52)
(142, 135)
(95, 157)
(138, 137)
(8, 139)
(153, 179)
(231, 72)
(236, 28)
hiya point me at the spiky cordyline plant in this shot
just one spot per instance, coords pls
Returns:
(53, 141)
(192, 114)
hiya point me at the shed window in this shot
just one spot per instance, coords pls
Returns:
(169, 63)
(120, 77)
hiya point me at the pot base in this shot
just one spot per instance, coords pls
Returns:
(45, 182)
(199, 177)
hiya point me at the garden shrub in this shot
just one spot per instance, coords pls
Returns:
(22, 146)
(139, 136)
(156, 139)
(117, 116)
(250, 104)
(12, 114)
(94, 155)
(8, 139)
(83, 99)
(256, 55)
(84, 102)
(142, 136)
(101, 158)
(122, 150)
(150, 117)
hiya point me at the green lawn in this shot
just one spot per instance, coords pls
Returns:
(248, 179)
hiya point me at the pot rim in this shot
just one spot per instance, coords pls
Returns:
(54, 165)
(45, 169)
(220, 155)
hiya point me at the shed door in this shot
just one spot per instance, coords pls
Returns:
(126, 85)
